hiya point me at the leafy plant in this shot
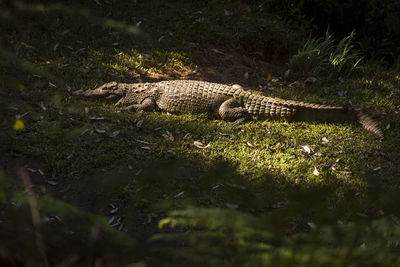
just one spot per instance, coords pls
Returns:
(321, 56)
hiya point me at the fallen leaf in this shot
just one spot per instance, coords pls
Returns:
(377, 168)
(312, 225)
(99, 130)
(31, 170)
(246, 75)
(114, 210)
(332, 166)
(316, 172)
(252, 145)
(199, 144)
(395, 219)
(111, 220)
(114, 134)
(138, 24)
(143, 142)
(308, 149)
(52, 85)
(139, 123)
(52, 182)
(168, 136)
(41, 104)
(179, 194)
(324, 140)
(227, 13)
(311, 80)
(147, 56)
(146, 147)
(217, 51)
(231, 205)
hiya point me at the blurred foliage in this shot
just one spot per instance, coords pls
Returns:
(213, 237)
(70, 236)
(377, 22)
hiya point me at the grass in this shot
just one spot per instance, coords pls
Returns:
(97, 158)
(322, 56)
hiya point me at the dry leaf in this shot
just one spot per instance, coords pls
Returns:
(308, 149)
(316, 172)
(52, 182)
(246, 75)
(231, 205)
(252, 145)
(146, 147)
(311, 80)
(168, 136)
(111, 220)
(227, 13)
(99, 130)
(139, 123)
(143, 142)
(216, 51)
(114, 210)
(377, 168)
(199, 144)
(324, 140)
(52, 85)
(179, 194)
(114, 134)
(41, 104)
(312, 225)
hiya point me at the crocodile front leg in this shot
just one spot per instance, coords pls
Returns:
(147, 105)
(233, 110)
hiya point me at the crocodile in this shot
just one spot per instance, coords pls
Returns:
(228, 102)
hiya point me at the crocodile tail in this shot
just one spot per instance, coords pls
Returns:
(334, 114)
(368, 123)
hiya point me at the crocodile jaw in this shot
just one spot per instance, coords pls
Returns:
(109, 91)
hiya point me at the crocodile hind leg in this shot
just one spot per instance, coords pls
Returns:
(147, 105)
(233, 110)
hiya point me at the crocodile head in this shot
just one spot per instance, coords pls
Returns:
(110, 91)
